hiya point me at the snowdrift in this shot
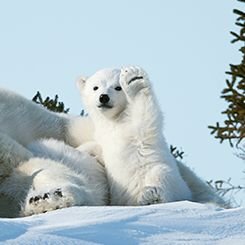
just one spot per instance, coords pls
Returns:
(172, 223)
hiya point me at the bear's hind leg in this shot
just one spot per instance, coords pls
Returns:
(44, 201)
(54, 186)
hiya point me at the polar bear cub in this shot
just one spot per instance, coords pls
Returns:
(128, 127)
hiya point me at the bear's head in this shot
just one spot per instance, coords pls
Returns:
(102, 94)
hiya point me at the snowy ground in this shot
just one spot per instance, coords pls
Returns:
(172, 223)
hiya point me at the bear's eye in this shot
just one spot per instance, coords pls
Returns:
(95, 88)
(118, 88)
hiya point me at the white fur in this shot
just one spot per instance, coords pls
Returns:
(25, 121)
(30, 169)
(139, 166)
(46, 176)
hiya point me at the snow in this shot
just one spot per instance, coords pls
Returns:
(172, 223)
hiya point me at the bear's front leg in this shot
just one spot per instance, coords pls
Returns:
(143, 108)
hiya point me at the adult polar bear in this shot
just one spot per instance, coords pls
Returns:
(39, 176)
(128, 128)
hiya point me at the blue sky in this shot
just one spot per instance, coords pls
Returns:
(183, 45)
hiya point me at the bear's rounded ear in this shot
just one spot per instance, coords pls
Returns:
(81, 82)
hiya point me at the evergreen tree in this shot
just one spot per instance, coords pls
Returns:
(233, 127)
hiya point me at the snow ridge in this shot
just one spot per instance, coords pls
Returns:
(172, 223)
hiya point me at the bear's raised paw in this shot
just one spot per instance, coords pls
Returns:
(133, 79)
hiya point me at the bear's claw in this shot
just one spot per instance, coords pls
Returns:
(151, 195)
(35, 200)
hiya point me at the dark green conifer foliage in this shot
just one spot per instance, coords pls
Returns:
(51, 104)
(178, 154)
(233, 128)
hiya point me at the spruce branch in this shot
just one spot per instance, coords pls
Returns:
(51, 104)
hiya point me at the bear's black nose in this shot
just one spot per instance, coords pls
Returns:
(104, 98)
